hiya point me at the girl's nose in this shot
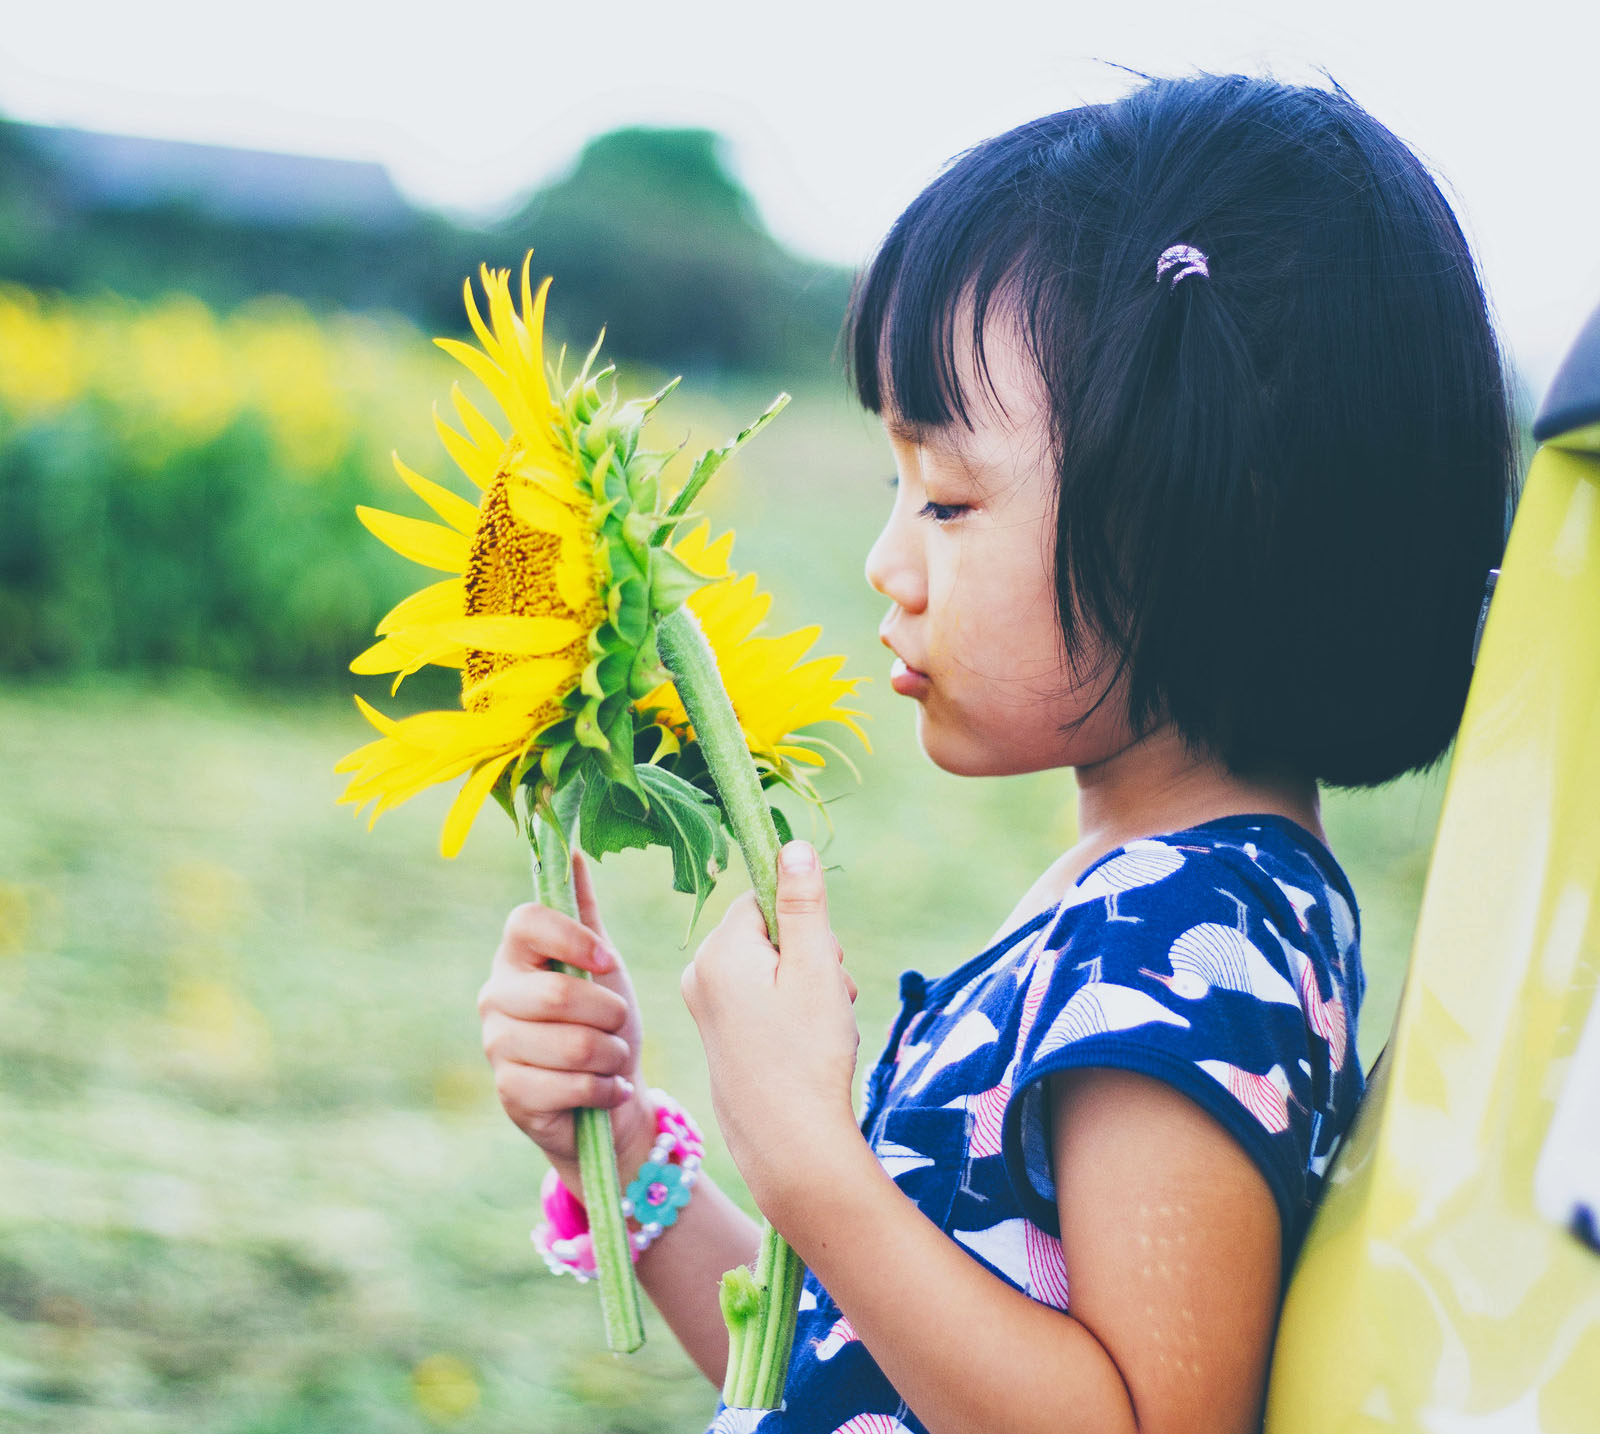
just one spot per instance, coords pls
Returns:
(895, 569)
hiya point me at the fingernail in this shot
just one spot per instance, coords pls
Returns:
(626, 1084)
(798, 857)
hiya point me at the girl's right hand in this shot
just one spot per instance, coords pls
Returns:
(556, 1041)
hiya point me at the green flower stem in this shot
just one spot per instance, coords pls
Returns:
(597, 1154)
(758, 1345)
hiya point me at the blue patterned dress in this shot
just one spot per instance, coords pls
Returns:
(1223, 959)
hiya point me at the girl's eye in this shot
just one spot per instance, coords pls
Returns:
(942, 512)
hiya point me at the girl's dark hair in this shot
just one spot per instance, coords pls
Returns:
(1280, 487)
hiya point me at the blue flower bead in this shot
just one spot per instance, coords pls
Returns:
(658, 1193)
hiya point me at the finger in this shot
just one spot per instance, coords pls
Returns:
(589, 913)
(738, 945)
(804, 935)
(552, 996)
(536, 935)
(850, 986)
(588, 905)
(531, 1094)
(555, 1046)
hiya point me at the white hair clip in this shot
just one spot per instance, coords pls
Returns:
(1187, 259)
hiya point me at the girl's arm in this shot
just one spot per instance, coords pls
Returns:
(1172, 1249)
(554, 1042)
(1170, 1233)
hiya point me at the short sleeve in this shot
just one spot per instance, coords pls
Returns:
(1186, 963)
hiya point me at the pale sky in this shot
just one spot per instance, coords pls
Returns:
(837, 113)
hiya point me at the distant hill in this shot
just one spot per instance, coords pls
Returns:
(648, 233)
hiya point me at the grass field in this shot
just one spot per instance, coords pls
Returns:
(253, 1178)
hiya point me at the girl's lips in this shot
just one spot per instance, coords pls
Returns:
(907, 681)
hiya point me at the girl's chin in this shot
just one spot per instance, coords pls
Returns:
(966, 754)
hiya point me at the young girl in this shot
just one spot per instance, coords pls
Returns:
(1203, 455)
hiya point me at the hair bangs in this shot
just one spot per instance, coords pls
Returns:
(940, 268)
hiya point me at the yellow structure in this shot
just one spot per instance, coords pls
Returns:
(1445, 1287)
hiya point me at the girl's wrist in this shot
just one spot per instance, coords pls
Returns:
(633, 1127)
(783, 1176)
(664, 1177)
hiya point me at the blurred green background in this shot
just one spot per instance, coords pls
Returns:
(253, 1176)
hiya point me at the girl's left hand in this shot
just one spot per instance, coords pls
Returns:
(779, 1032)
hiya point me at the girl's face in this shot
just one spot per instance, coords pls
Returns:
(966, 561)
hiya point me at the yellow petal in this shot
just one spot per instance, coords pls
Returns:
(490, 345)
(534, 507)
(529, 636)
(801, 755)
(708, 559)
(575, 574)
(483, 433)
(527, 684)
(479, 464)
(468, 800)
(456, 511)
(490, 375)
(438, 602)
(422, 542)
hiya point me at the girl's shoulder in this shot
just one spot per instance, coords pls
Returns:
(1223, 960)
(1259, 874)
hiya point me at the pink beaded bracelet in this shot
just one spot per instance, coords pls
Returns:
(660, 1189)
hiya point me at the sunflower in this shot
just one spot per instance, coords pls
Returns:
(556, 577)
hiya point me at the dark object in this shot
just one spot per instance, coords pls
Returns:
(1574, 397)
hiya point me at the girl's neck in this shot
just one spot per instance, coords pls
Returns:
(1156, 786)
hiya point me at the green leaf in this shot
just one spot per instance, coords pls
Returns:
(785, 832)
(689, 823)
(710, 461)
(605, 825)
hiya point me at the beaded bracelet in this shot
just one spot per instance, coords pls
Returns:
(661, 1188)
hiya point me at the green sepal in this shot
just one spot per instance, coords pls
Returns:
(625, 563)
(614, 478)
(630, 613)
(552, 759)
(644, 486)
(617, 760)
(646, 672)
(636, 530)
(586, 727)
(607, 673)
(605, 640)
(667, 743)
(672, 581)
(558, 806)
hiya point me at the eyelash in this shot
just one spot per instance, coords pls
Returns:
(939, 512)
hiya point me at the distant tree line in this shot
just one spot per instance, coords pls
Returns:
(649, 234)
